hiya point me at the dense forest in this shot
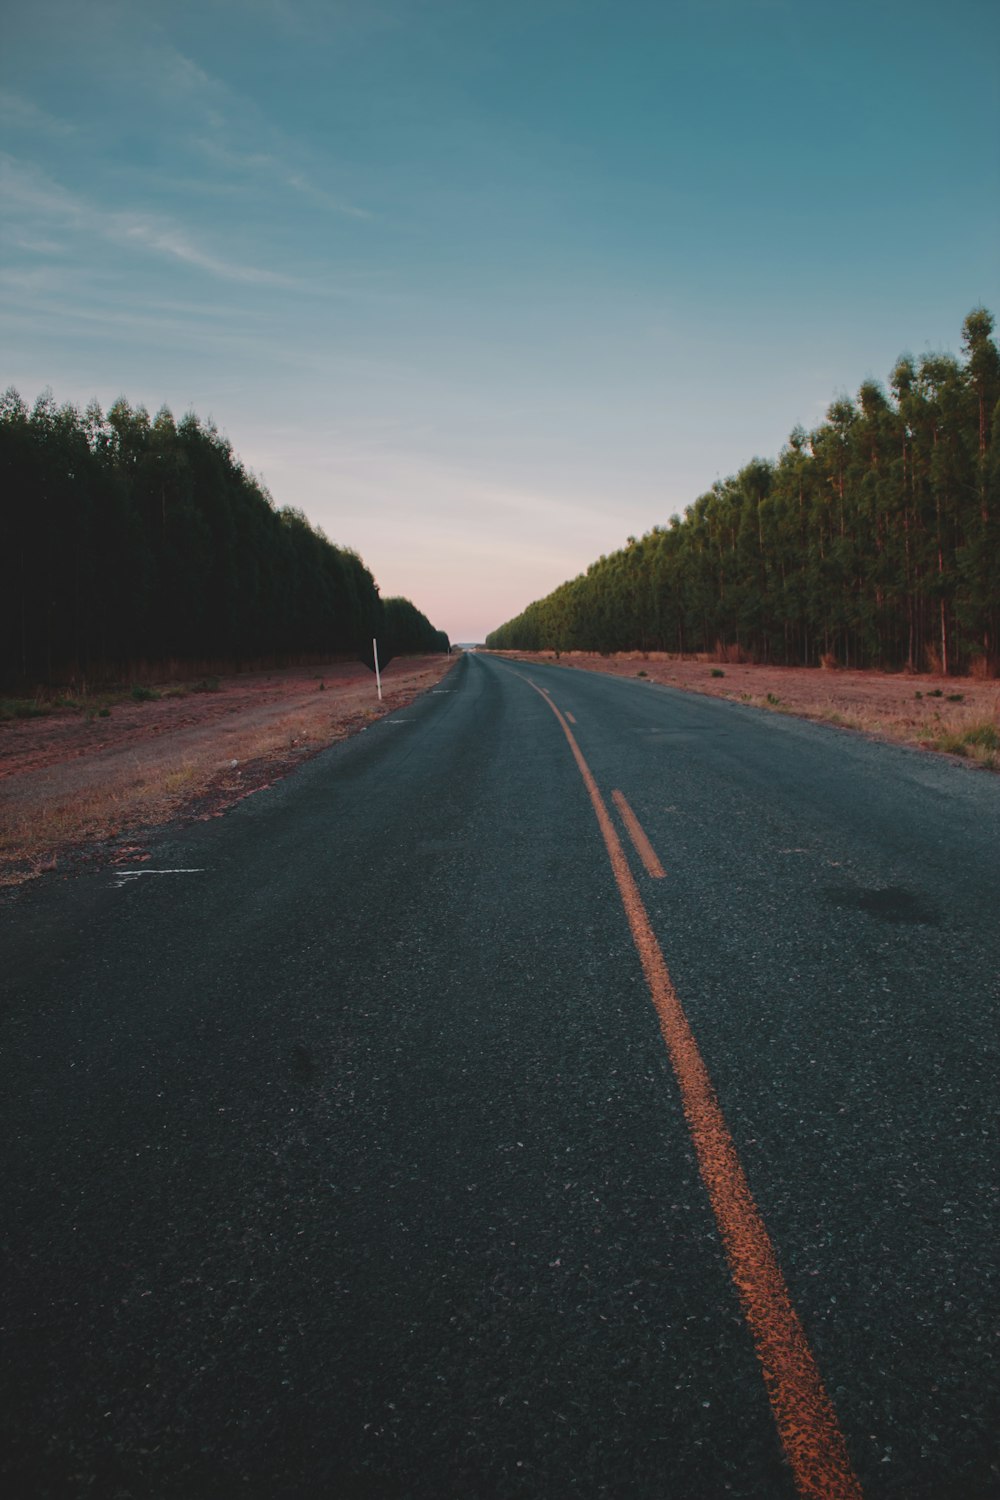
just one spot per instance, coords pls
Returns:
(128, 540)
(873, 541)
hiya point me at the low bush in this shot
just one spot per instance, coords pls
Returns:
(23, 708)
(979, 742)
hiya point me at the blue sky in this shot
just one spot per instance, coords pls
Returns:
(485, 288)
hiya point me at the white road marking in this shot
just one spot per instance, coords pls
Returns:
(120, 876)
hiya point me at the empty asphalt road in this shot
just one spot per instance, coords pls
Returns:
(568, 1087)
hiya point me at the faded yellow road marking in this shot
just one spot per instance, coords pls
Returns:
(637, 834)
(806, 1421)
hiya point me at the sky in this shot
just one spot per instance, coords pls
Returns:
(486, 288)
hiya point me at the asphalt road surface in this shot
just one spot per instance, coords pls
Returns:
(416, 1130)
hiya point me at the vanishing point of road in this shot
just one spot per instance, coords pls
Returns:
(567, 1087)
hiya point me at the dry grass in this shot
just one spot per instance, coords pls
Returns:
(978, 741)
(965, 735)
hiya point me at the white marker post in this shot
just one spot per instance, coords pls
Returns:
(378, 675)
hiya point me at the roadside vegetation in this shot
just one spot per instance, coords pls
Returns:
(969, 734)
(98, 702)
(872, 542)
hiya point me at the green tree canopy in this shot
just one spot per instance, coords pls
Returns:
(125, 539)
(874, 539)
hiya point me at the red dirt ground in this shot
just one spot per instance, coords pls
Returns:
(72, 784)
(66, 734)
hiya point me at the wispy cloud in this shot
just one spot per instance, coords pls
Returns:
(221, 155)
(35, 192)
(269, 167)
(166, 239)
(37, 245)
(199, 110)
(179, 73)
(34, 281)
(40, 198)
(65, 319)
(301, 184)
(17, 113)
(226, 114)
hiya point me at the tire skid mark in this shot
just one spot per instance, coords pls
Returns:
(807, 1423)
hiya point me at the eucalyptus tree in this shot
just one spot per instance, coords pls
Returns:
(979, 608)
(873, 540)
(125, 539)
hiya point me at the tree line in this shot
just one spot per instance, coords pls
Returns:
(873, 541)
(126, 539)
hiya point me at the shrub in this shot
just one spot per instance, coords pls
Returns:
(145, 694)
(986, 735)
(979, 742)
(22, 708)
(718, 672)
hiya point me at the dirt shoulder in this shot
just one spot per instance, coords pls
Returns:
(952, 715)
(83, 784)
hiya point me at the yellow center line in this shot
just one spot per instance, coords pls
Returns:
(637, 834)
(806, 1421)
